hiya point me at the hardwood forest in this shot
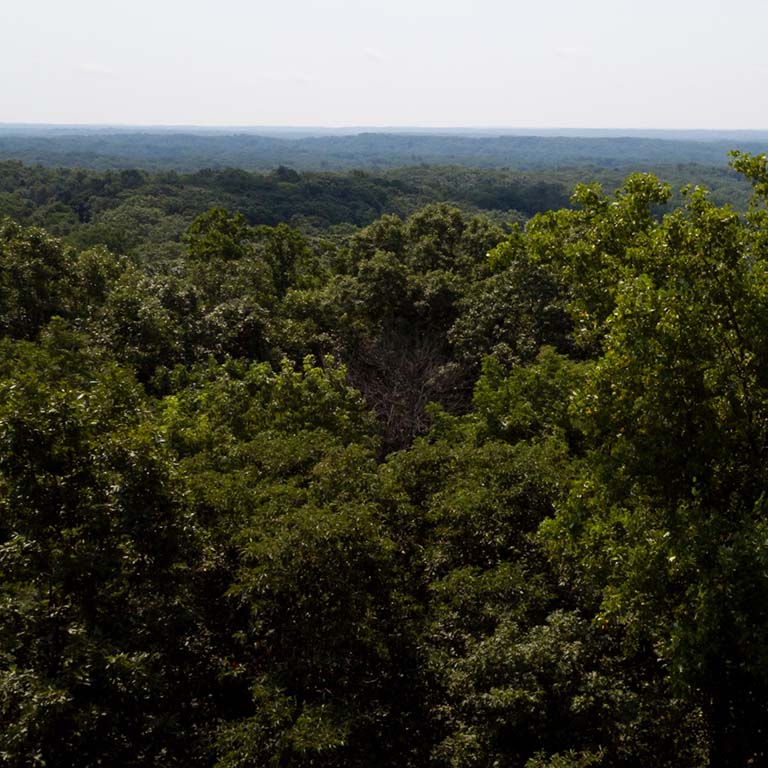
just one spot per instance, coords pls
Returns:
(427, 467)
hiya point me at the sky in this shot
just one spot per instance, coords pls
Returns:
(440, 63)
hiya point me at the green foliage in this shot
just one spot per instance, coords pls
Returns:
(592, 249)
(96, 551)
(245, 400)
(669, 505)
(290, 258)
(317, 582)
(529, 400)
(33, 279)
(419, 494)
(215, 235)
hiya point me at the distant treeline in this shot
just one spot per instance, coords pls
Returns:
(133, 210)
(123, 209)
(163, 150)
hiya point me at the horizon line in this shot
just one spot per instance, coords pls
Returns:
(377, 127)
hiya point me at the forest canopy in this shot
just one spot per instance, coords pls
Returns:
(418, 484)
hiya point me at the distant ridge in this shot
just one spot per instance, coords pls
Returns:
(670, 134)
(186, 149)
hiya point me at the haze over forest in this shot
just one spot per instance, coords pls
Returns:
(187, 149)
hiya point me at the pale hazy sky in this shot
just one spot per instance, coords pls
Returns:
(538, 63)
